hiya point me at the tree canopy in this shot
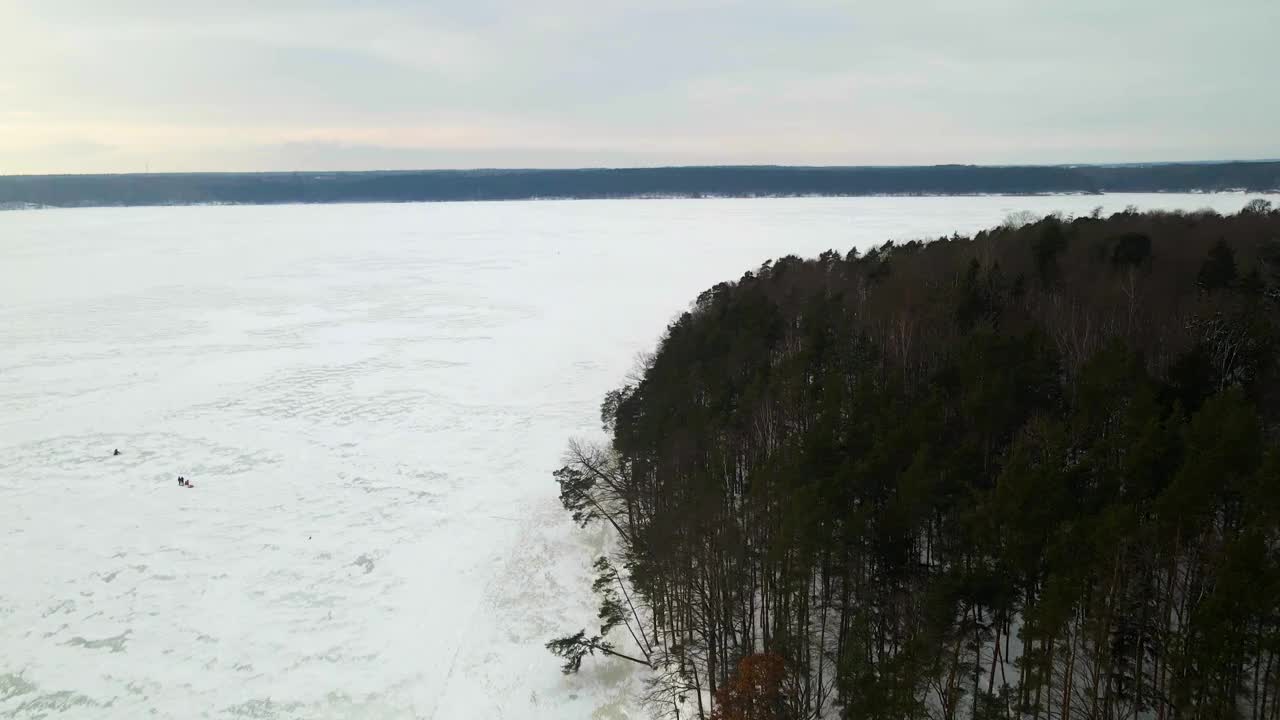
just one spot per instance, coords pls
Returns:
(1029, 474)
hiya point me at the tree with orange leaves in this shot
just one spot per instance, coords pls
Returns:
(754, 692)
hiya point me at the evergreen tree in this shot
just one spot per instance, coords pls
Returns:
(910, 484)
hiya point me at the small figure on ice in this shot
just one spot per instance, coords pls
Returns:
(183, 482)
(116, 452)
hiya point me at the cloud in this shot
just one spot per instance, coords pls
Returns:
(235, 84)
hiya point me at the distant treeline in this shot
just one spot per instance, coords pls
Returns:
(1028, 475)
(754, 181)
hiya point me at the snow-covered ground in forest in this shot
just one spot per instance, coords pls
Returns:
(369, 400)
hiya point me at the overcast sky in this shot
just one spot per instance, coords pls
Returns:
(176, 85)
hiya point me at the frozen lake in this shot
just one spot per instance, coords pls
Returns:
(369, 400)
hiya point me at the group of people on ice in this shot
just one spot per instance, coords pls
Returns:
(182, 482)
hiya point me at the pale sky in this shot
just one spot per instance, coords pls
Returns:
(177, 85)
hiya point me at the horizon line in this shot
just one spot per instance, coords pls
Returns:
(618, 168)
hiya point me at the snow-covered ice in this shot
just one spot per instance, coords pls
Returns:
(369, 400)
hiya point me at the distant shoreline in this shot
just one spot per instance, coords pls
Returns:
(639, 198)
(277, 188)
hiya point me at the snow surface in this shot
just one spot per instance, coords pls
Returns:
(369, 400)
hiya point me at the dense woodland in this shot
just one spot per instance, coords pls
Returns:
(751, 181)
(1032, 474)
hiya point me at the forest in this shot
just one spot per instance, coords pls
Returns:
(1033, 474)
(707, 181)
